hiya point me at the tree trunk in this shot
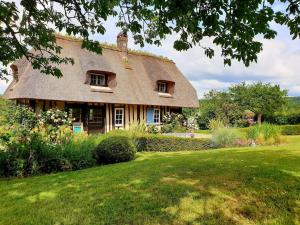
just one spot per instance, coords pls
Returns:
(259, 116)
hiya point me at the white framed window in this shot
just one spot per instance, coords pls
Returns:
(119, 117)
(98, 80)
(162, 87)
(156, 116)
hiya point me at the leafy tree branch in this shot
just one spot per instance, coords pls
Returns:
(28, 30)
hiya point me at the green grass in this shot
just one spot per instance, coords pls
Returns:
(203, 131)
(228, 186)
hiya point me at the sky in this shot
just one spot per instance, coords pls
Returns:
(278, 63)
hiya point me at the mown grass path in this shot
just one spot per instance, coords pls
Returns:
(230, 186)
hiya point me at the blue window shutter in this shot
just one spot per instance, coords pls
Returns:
(150, 117)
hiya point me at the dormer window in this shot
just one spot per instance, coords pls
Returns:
(165, 88)
(162, 87)
(101, 81)
(98, 80)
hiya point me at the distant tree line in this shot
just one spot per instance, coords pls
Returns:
(245, 104)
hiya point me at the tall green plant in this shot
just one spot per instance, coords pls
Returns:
(264, 133)
(215, 124)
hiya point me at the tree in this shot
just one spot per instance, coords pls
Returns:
(219, 105)
(27, 30)
(259, 98)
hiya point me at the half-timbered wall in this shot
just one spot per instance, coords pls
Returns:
(133, 114)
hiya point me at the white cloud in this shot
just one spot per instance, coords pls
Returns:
(278, 63)
(203, 86)
(3, 86)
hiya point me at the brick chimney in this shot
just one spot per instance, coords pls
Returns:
(122, 41)
(15, 74)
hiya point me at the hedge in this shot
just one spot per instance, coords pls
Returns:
(290, 129)
(285, 129)
(156, 143)
(283, 119)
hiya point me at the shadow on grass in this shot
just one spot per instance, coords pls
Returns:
(229, 187)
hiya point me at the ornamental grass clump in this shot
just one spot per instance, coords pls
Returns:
(265, 134)
(226, 137)
(215, 124)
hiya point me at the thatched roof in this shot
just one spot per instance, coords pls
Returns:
(135, 84)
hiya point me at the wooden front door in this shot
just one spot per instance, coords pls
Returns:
(96, 118)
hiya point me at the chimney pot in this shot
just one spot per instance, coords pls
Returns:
(15, 74)
(122, 41)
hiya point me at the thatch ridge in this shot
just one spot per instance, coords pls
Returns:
(114, 47)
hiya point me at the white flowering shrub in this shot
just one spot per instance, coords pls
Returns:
(173, 123)
(191, 123)
(55, 125)
(55, 117)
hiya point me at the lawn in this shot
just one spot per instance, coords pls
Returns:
(228, 186)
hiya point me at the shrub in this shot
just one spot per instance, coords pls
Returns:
(39, 156)
(114, 149)
(3, 161)
(215, 124)
(23, 116)
(152, 129)
(264, 134)
(137, 128)
(22, 155)
(226, 137)
(79, 150)
(283, 118)
(159, 143)
(167, 128)
(50, 159)
(32, 144)
(55, 124)
(290, 129)
(174, 123)
(249, 117)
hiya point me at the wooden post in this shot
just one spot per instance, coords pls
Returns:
(110, 117)
(135, 120)
(106, 118)
(142, 114)
(126, 117)
(131, 114)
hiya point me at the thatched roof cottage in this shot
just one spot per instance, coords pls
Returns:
(103, 92)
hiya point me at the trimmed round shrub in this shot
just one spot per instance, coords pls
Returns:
(114, 149)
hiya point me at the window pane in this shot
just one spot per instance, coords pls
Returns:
(156, 116)
(119, 116)
(101, 80)
(98, 79)
(162, 87)
(75, 113)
